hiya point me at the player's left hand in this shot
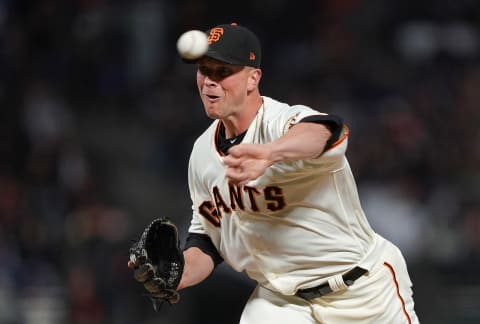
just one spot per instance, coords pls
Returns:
(246, 162)
(158, 262)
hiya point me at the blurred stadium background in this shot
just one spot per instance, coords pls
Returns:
(98, 115)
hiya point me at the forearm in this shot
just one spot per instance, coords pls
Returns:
(198, 266)
(302, 141)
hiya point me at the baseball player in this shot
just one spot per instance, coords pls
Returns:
(273, 195)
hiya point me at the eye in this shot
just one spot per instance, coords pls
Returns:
(224, 72)
(204, 70)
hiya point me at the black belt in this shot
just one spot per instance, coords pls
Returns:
(324, 289)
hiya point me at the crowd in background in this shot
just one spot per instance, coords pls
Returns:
(98, 115)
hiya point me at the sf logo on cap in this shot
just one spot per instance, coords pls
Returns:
(215, 35)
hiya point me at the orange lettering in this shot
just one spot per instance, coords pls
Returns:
(215, 35)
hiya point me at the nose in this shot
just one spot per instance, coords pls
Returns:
(208, 81)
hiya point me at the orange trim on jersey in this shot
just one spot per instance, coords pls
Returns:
(215, 142)
(402, 301)
(345, 133)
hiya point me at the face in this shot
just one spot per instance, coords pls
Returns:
(223, 87)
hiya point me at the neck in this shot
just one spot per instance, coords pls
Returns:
(239, 123)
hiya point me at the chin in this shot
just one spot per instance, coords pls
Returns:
(211, 114)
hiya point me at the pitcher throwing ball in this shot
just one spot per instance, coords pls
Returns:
(273, 195)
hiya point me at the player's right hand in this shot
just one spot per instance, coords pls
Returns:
(246, 162)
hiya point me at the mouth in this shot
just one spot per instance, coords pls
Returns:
(212, 98)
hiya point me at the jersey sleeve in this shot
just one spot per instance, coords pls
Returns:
(290, 116)
(197, 236)
(334, 153)
(332, 122)
(194, 186)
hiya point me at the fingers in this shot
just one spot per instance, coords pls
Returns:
(237, 176)
(241, 172)
(246, 162)
(244, 151)
(237, 150)
(235, 167)
(144, 272)
(156, 287)
(255, 151)
(235, 158)
(232, 162)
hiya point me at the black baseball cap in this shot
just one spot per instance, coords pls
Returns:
(233, 44)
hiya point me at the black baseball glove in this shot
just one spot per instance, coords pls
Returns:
(158, 262)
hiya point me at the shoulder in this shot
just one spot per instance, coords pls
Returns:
(282, 115)
(205, 142)
(207, 134)
(277, 109)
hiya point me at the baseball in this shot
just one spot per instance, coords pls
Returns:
(192, 44)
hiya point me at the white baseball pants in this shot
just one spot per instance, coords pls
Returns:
(383, 295)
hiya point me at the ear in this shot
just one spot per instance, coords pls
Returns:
(254, 79)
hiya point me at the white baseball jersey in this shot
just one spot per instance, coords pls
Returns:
(296, 225)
